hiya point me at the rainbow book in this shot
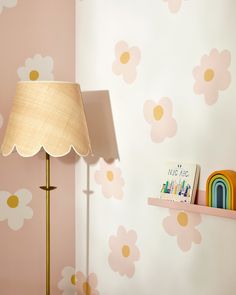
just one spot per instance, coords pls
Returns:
(180, 181)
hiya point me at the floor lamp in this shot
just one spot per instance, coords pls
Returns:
(49, 116)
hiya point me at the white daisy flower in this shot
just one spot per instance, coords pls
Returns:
(7, 4)
(36, 68)
(68, 283)
(13, 208)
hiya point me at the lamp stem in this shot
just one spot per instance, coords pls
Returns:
(47, 224)
(47, 188)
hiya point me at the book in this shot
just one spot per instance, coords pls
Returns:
(180, 181)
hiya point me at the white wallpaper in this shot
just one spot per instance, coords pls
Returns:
(169, 67)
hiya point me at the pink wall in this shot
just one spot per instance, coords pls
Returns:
(44, 27)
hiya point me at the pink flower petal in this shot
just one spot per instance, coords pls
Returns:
(115, 262)
(118, 193)
(196, 236)
(166, 103)
(174, 5)
(129, 271)
(166, 126)
(205, 61)
(169, 225)
(131, 237)
(135, 254)
(157, 136)
(80, 278)
(110, 187)
(184, 242)
(214, 54)
(120, 48)
(225, 81)
(127, 67)
(135, 55)
(113, 242)
(194, 219)
(92, 279)
(162, 130)
(197, 73)
(130, 74)
(148, 107)
(198, 88)
(211, 95)
(117, 68)
(186, 235)
(225, 58)
(121, 232)
(118, 261)
(218, 62)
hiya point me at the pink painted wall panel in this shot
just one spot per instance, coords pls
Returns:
(45, 27)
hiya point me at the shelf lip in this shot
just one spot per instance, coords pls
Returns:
(154, 201)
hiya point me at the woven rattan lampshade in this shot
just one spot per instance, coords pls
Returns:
(47, 115)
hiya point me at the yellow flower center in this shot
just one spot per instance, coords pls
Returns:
(34, 75)
(13, 201)
(209, 75)
(182, 219)
(125, 251)
(73, 280)
(110, 175)
(158, 112)
(86, 288)
(125, 57)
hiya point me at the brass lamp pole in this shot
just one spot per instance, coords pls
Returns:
(36, 122)
(48, 188)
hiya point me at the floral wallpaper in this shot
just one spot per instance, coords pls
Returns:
(123, 252)
(13, 208)
(36, 68)
(110, 179)
(169, 66)
(67, 284)
(87, 285)
(159, 116)
(182, 225)
(127, 59)
(212, 75)
(29, 51)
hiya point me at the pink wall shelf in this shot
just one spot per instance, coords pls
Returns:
(192, 208)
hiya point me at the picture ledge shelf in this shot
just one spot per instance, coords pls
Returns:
(192, 208)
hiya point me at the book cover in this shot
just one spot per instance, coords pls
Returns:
(180, 181)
